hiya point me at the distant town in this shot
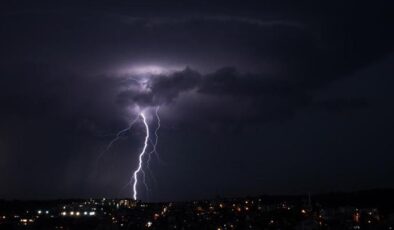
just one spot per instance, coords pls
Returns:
(371, 209)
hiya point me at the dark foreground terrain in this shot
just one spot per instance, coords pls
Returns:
(373, 209)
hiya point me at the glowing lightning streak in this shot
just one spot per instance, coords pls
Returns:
(135, 175)
(157, 129)
(156, 140)
(154, 144)
(117, 137)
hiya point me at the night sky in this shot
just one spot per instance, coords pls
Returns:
(255, 97)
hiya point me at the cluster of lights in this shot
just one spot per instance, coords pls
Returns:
(26, 221)
(206, 210)
(39, 212)
(72, 213)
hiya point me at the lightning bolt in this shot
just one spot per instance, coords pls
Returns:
(157, 128)
(117, 137)
(147, 141)
(140, 158)
(154, 144)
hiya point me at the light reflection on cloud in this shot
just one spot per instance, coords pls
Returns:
(151, 70)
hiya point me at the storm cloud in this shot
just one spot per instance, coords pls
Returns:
(278, 84)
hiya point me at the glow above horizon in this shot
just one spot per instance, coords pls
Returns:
(151, 69)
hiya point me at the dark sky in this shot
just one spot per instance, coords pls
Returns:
(255, 97)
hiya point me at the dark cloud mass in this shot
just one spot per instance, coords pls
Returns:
(254, 97)
(162, 89)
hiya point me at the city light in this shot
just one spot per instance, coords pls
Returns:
(225, 214)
